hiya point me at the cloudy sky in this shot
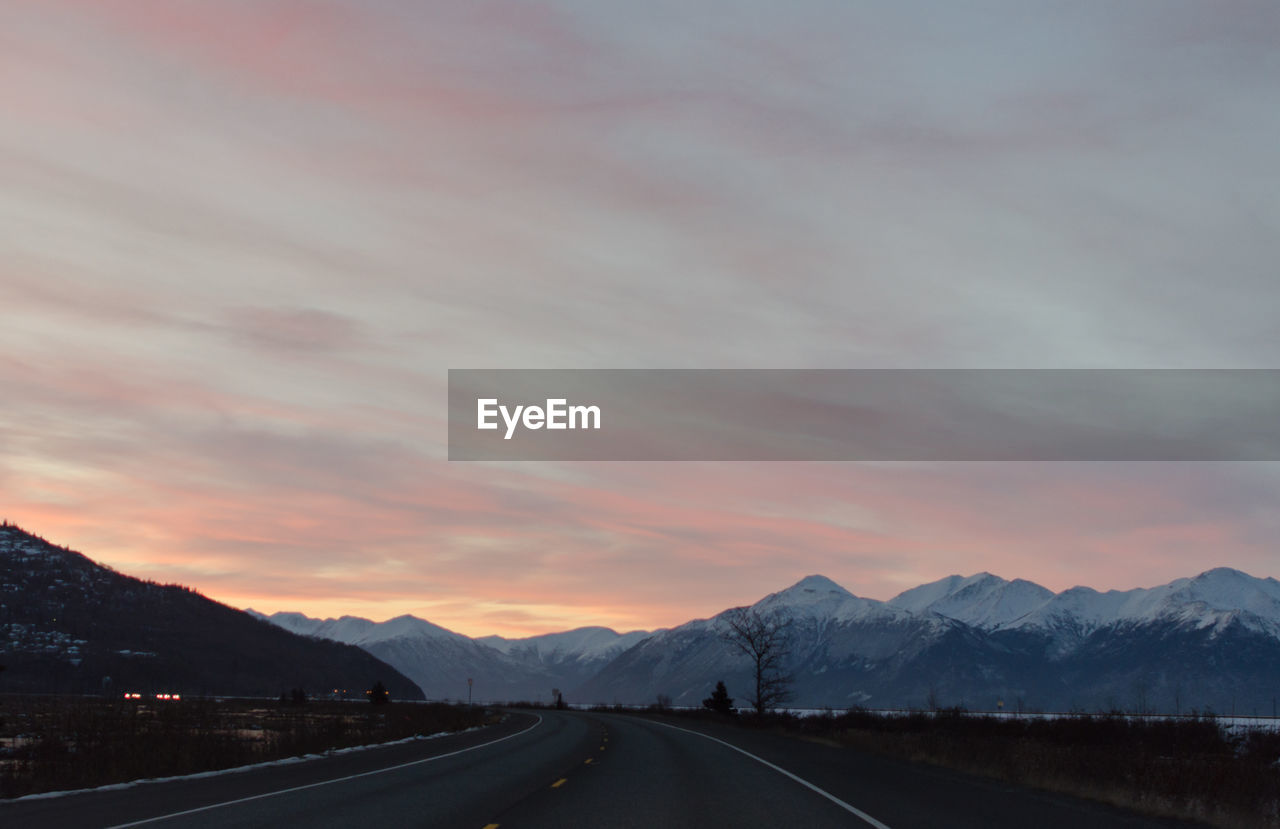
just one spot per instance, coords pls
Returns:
(241, 243)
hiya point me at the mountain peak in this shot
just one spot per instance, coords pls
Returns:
(1224, 574)
(811, 595)
(983, 600)
(816, 584)
(1224, 588)
(409, 625)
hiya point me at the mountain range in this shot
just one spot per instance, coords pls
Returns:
(441, 661)
(1206, 643)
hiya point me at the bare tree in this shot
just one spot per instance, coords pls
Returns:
(766, 639)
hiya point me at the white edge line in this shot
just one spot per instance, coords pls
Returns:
(828, 795)
(324, 782)
(203, 775)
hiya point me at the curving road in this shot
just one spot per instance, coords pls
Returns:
(574, 769)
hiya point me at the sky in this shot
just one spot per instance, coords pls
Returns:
(242, 242)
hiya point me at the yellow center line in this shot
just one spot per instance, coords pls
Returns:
(559, 782)
(590, 761)
(491, 826)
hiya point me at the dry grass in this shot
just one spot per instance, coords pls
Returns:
(1188, 768)
(56, 743)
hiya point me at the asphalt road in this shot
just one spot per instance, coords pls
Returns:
(574, 769)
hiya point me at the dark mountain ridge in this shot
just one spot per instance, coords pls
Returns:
(70, 625)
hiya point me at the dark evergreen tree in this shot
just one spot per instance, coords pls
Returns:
(719, 701)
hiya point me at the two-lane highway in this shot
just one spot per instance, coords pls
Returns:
(650, 775)
(673, 773)
(576, 769)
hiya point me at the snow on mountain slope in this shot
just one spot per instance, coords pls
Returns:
(819, 600)
(402, 627)
(1211, 599)
(586, 643)
(842, 647)
(441, 661)
(293, 622)
(813, 596)
(355, 630)
(1079, 610)
(1224, 589)
(982, 600)
(958, 639)
(991, 603)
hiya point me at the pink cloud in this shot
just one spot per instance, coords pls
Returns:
(492, 168)
(460, 540)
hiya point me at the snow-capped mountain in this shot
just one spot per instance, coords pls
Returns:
(357, 631)
(845, 650)
(1208, 642)
(1211, 641)
(587, 646)
(983, 600)
(1212, 599)
(441, 661)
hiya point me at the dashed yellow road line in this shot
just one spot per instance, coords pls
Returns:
(590, 760)
(491, 826)
(559, 782)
